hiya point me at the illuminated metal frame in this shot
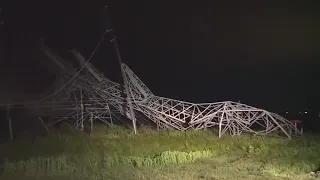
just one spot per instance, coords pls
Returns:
(92, 97)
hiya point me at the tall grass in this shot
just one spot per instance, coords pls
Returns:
(95, 155)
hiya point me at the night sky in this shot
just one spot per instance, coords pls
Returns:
(263, 54)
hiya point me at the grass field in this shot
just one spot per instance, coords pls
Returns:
(114, 153)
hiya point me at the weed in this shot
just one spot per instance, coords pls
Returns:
(98, 155)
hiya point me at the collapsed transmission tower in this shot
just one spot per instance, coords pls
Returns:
(90, 97)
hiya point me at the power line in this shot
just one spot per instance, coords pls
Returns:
(71, 79)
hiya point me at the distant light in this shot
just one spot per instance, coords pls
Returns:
(305, 112)
(287, 112)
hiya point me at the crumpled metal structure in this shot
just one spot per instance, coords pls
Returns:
(91, 97)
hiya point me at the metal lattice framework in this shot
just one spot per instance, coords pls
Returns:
(91, 97)
(228, 116)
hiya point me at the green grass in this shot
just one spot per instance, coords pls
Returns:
(115, 153)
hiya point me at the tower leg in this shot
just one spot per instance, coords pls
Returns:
(43, 124)
(10, 123)
(81, 106)
(91, 123)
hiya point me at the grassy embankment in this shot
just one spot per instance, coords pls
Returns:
(114, 153)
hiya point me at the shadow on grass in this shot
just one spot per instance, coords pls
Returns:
(49, 146)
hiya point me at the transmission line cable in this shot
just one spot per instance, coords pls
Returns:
(71, 79)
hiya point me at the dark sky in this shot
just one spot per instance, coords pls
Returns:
(263, 54)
